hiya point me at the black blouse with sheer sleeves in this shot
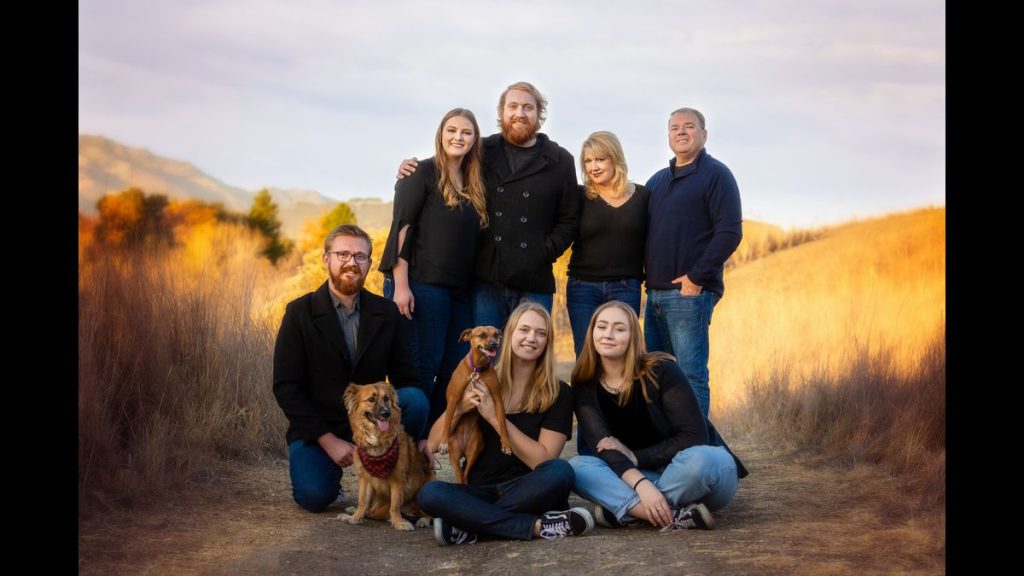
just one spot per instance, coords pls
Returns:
(440, 245)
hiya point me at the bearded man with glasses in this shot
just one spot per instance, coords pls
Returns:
(337, 335)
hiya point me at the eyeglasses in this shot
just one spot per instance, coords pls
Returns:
(346, 256)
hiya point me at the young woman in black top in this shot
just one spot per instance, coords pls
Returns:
(607, 260)
(654, 461)
(522, 495)
(431, 249)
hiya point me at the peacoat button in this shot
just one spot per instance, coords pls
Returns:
(523, 245)
(523, 219)
(498, 213)
(497, 238)
(500, 189)
(526, 194)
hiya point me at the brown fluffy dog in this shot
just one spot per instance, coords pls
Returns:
(463, 437)
(390, 468)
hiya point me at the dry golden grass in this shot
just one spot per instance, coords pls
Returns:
(761, 239)
(174, 363)
(878, 412)
(866, 286)
(839, 344)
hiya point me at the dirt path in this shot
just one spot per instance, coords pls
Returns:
(797, 513)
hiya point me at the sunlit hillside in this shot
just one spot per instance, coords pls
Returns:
(869, 285)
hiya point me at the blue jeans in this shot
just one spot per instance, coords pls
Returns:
(506, 510)
(492, 304)
(316, 479)
(582, 298)
(440, 315)
(678, 325)
(704, 474)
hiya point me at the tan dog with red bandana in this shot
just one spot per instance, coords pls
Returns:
(390, 468)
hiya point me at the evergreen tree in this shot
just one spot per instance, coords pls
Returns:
(263, 216)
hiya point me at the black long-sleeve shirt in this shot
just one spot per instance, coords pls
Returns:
(673, 421)
(610, 245)
(440, 245)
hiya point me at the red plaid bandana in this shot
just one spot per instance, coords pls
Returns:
(380, 466)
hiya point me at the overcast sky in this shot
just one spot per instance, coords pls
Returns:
(824, 110)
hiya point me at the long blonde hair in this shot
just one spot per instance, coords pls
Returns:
(542, 390)
(639, 363)
(472, 171)
(605, 144)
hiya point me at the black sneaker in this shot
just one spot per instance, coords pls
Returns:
(691, 516)
(562, 523)
(606, 518)
(448, 535)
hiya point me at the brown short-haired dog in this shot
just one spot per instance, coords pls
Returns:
(463, 437)
(390, 468)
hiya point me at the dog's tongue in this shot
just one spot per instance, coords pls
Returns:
(490, 353)
(383, 425)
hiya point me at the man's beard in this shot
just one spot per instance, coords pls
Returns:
(346, 286)
(519, 133)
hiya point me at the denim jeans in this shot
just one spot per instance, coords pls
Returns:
(678, 325)
(506, 510)
(582, 298)
(316, 479)
(440, 315)
(492, 304)
(697, 474)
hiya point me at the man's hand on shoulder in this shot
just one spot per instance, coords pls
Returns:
(407, 167)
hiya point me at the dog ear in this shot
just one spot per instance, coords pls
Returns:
(351, 393)
(466, 335)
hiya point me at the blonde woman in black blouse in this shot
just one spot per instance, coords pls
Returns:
(607, 260)
(429, 258)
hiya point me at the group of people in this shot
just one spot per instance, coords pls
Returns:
(475, 232)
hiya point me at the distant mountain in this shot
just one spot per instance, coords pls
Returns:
(106, 166)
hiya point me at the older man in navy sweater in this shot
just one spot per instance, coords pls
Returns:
(694, 225)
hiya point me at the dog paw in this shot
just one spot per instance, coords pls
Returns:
(442, 448)
(403, 525)
(350, 519)
(506, 449)
(424, 522)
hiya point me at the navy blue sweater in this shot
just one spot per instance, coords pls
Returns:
(694, 224)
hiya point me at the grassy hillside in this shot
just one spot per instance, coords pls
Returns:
(873, 285)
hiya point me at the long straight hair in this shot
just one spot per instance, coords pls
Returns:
(472, 169)
(639, 364)
(605, 144)
(542, 389)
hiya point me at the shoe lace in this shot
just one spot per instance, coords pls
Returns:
(552, 528)
(460, 536)
(680, 521)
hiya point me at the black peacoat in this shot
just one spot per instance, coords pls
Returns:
(534, 216)
(312, 367)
